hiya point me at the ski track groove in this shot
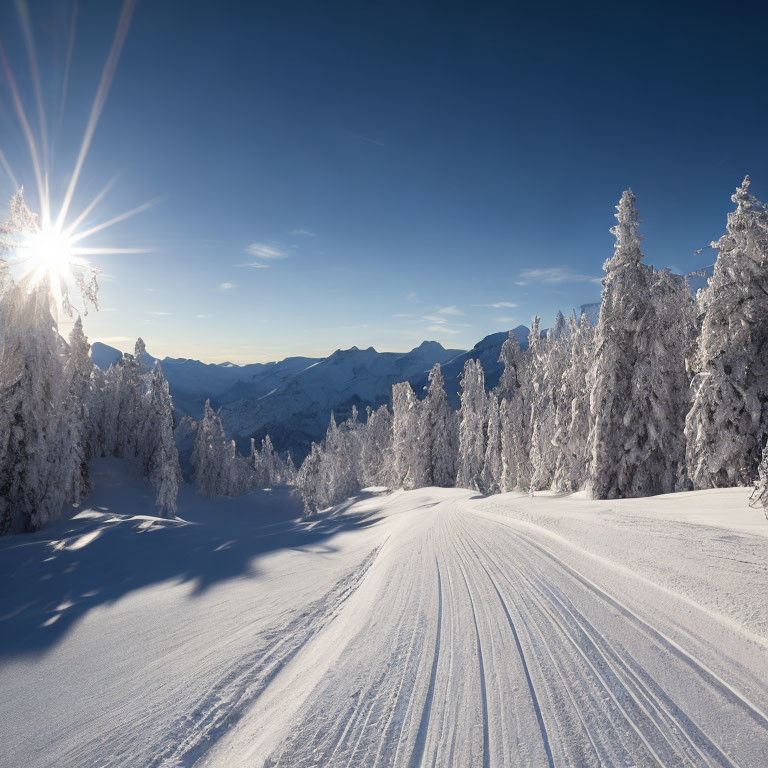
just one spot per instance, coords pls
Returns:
(421, 737)
(222, 705)
(481, 667)
(529, 681)
(697, 665)
(628, 673)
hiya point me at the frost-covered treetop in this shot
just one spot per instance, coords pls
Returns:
(742, 196)
(627, 247)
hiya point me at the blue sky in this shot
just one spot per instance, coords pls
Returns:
(399, 171)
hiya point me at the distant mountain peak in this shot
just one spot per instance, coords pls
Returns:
(428, 346)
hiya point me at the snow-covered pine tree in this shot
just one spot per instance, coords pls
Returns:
(271, 464)
(620, 410)
(728, 420)
(35, 468)
(560, 328)
(290, 470)
(308, 486)
(573, 414)
(541, 407)
(664, 379)
(513, 416)
(125, 409)
(438, 433)
(548, 376)
(78, 371)
(210, 455)
(338, 464)
(158, 452)
(492, 463)
(376, 455)
(409, 462)
(472, 423)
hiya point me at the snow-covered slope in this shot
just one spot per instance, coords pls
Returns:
(428, 627)
(296, 412)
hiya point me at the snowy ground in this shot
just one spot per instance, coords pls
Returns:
(429, 627)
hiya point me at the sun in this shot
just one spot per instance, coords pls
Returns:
(47, 253)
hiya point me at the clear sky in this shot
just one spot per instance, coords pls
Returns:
(398, 171)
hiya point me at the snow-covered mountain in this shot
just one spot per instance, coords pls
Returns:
(296, 412)
(192, 381)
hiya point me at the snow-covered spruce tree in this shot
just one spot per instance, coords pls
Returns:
(267, 469)
(560, 328)
(210, 455)
(438, 434)
(271, 463)
(549, 401)
(97, 406)
(409, 462)
(728, 420)
(78, 424)
(158, 452)
(339, 464)
(289, 477)
(513, 417)
(541, 407)
(472, 423)
(124, 390)
(661, 374)
(621, 411)
(491, 476)
(35, 467)
(308, 485)
(376, 455)
(573, 414)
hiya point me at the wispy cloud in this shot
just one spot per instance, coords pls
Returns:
(257, 265)
(402, 314)
(553, 275)
(267, 251)
(202, 317)
(365, 138)
(304, 232)
(159, 314)
(452, 310)
(505, 319)
(435, 318)
(226, 286)
(442, 329)
(413, 297)
(499, 305)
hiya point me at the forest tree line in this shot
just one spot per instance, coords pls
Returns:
(668, 392)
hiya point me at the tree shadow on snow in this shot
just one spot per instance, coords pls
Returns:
(113, 545)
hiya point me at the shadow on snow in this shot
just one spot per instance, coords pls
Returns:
(112, 546)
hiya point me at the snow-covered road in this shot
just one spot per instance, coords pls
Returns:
(425, 628)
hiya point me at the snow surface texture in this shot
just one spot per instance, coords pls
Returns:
(429, 627)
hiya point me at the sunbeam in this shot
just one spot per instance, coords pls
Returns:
(98, 102)
(44, 246)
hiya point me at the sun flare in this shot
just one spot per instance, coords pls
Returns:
(47, 253)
